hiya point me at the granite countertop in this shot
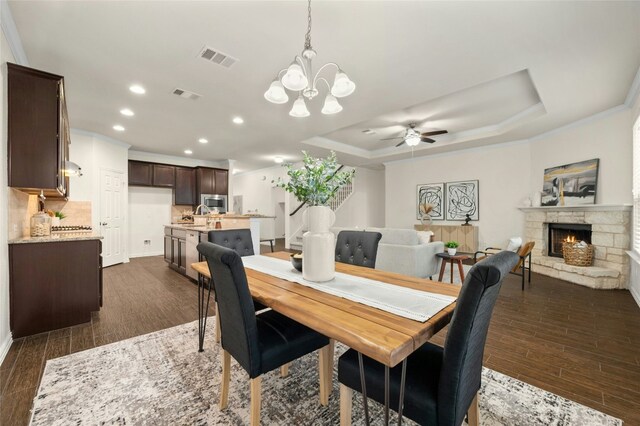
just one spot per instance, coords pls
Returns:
(56, 238)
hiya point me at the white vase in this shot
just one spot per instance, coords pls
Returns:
(318, 245)
(55, 221)
(536, 199)
(452, 251)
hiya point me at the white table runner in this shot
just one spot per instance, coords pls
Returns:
(406, 302)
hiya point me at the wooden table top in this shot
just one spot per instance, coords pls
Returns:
(457, 256)
(378, 334)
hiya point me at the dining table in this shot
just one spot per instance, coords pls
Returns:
(383, 336)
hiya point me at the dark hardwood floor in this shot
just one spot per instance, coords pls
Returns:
(579, 343)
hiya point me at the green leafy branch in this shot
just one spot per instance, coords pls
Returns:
(317, 181)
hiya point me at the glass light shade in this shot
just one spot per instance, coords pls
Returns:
(294, 79)
(342, 86)
(331, 105)
(412, 140)
(276, 93)
(299, 108)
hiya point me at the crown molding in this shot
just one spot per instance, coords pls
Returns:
(100, 137)
(11, 34)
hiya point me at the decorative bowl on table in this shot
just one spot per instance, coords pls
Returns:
(296, 261)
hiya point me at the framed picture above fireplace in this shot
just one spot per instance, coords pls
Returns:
(572, 184)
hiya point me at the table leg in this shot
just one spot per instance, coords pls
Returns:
(461, 269)
(402, 385)
(443, 265)
(363, 385)
(203, 310)
(451, 264)
(386, 395)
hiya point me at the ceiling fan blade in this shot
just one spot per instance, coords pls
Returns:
(389, 139)
(401, 143)
(427, 140)
(434, 133)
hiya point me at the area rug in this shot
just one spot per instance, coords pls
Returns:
(161, 379)
(456, 273)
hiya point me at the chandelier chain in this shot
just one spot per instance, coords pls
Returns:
(307, 38)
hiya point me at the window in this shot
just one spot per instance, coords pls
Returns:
(636, 187)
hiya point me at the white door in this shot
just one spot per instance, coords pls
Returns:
(112, 216)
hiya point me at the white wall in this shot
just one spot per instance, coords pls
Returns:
(5, 333)
(149, 211)
(502, 186)
(365, 207)
(509, 173)
(607, 138)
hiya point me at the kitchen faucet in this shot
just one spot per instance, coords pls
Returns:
(201, 207)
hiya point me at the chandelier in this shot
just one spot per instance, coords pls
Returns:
(298, 78)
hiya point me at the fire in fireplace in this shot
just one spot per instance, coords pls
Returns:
(561, 232)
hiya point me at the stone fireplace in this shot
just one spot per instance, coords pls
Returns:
(607, 227)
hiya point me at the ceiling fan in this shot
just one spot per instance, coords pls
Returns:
(413, 137)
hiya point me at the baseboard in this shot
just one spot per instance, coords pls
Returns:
(146, 254)
(635, 293)
(4, 347)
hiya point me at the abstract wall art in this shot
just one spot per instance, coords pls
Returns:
(462, 200)
(433, 195)
(572, 184)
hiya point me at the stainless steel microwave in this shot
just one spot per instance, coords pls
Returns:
(213, 201)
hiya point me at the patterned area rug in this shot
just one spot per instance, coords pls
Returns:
(161, 379)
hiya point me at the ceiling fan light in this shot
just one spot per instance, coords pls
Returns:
(342, 85)
(294, 79)
(299, 108)
(276, 93)
(412, 139)
(331, 105)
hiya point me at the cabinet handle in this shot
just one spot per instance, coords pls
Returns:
(103, 223)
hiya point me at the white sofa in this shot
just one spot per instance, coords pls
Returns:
(401, 251)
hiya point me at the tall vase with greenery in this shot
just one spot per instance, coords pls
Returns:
(315, 184)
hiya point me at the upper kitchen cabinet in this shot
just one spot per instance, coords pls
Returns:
(140, 173)
(38, 131)
(164, 175)
(185, 192)
(212, 181)
(221, 181)
(205, 181)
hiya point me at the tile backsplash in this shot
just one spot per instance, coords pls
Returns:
(22, 206)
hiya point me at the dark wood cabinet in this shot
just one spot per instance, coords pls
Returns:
(185, 189)
(140, 173)
(38, 131)
(53, 285)
(168, 248)
(205, 181)
(189, 183)
(182, 260)
(164, 175)
(221, 178)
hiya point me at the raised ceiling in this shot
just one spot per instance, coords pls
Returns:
(462, 65)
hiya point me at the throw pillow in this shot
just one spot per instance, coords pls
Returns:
(424, 236)
(514, 244)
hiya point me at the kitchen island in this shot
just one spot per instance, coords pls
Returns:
(181, 239)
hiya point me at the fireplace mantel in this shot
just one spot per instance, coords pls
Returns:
(582, 208)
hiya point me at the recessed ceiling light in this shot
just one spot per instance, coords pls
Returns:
(137, 89)
(188, 151)
(127, 112)
(118, 128)
(238, 120)
(278, 159)
(203, 140)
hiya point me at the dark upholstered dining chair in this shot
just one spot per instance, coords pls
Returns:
(441, 384)
(358, 248)
(258, 342)
(238, 240)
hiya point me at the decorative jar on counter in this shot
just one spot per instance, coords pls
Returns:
(40, 225)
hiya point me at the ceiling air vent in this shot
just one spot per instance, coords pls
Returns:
(217, 57)
(186, 94)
